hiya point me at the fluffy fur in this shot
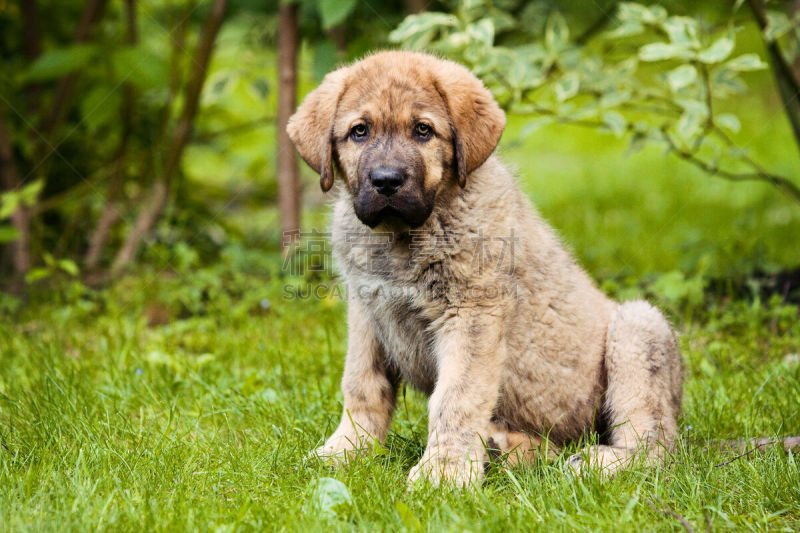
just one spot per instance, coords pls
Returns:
(477, 304)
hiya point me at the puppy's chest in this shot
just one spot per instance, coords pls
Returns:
(407, 337)
(404, 298)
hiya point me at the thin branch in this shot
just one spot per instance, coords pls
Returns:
(760, 174)
(788, 84)
(236, 128)
(788, 443)
(32, 46)
(20, 218)
(110, 213)
(152, 210)
(782, 183)
(66, 87)
(178, 41)
(288, 172)
(666, 510)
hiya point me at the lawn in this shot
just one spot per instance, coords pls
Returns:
(116, 414)
(188, 395)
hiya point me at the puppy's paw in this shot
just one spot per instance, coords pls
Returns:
(575, 465)
(607, 460)
(339, 451)
(447, 473)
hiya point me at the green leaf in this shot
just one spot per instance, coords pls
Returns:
(68, 266)
(334, 12)
(633, 12)
(139, 66)
(482, 31)
(662, 51)
(414, 27)
(698, 107)
(657, 14)
(681, 77)
(456, 41)
(681, 31)
(746, 62)
(718, 51)
(470, 9)
(379, 449)
(61, 61)
(615, 122)
(556, 33)
(729, 121)
(100, 106)
(523, 73)
(35, 274)
(407, 517)
(330, 497)
(29, 193)
(8, 233)
(625, 29)
(567, 86)
(688, 125)
(725, 81)
(675, 288)
(778, 24)
(418, 41)
(614, 97)
(324, 59)
(9, 201)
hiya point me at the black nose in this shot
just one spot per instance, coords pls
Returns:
(387, 179)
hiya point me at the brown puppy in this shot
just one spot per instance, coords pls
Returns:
(458, 287)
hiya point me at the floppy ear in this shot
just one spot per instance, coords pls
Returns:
(311, 127)
(476, 120)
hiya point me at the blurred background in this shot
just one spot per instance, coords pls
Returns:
(142, 140)
(167, 363)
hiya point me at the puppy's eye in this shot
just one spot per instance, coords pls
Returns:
(423, 131)
(358, 132)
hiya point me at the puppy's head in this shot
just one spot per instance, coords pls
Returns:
(398, 127)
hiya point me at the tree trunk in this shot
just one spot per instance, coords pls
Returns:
(288, 172)
(32, 46)
(416, 6)
(795, 12)
(66, 87)
(152, 210)
(339, 36)
(20, 218)
(785, 77)
(110, 213)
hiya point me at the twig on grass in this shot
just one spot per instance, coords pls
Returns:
(759, 444)
(666, 510)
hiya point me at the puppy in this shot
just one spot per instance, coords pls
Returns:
(457, 286)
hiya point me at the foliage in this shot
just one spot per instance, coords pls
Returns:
(10, 201)
(655, 77)
(115, 415)
(115, 112)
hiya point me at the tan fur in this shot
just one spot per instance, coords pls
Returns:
(514, 343)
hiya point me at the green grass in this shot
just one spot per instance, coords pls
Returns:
(177, 402)
(174, 400)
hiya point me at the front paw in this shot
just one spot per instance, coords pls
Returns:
(459, 473)
(339, 450)
(605, 460)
